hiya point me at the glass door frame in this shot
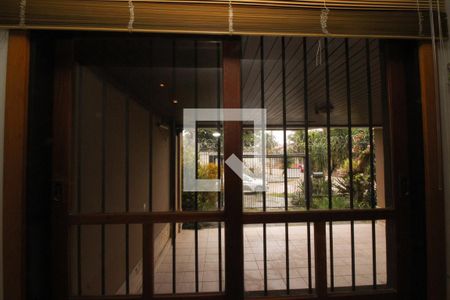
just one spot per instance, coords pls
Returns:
(233, 216)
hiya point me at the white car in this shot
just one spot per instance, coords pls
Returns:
(252, 185)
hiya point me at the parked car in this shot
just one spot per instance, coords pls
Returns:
(253, 185)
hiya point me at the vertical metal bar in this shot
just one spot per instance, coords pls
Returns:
(305, 99)
(79, 140)
(79, 289)
(350, 157)
(329, 170)
(150, 161)
(127, 193)
(328, 116)
(285, 158)
(369, 103)
(286, 229)
(150, 148)
(147, 233)
(196, 160)
(306, 180)
(172, 155)
(103, 162)
(219, 162)
(174, 205)
(349, 120)
(263, 104)
(308, 233)
(372, 167)
(147, 230)
(148, 262)
(174, 253)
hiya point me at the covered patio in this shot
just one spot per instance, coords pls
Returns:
(208, 258)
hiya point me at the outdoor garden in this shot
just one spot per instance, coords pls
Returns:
(346, 175)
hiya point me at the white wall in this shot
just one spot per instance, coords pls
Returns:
(3, 56)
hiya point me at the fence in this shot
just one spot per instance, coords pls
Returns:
(274, 177)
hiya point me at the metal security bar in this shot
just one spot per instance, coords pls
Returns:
(285, 162)
(306, 116)
(219, 164)
(363, 124)
(127, 194)
(264, 172)
(350, 155)
(330, 192)
(372, 167)
(196, 161)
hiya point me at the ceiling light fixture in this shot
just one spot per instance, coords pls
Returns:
(162, 84)
(175, 101)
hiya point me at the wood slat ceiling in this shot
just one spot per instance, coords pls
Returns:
(139, 65)
(315, 80)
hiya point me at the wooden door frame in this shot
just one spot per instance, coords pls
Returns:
(234, 256)
(15, 163)
(434, 189)
(15, 150)
(62, 164)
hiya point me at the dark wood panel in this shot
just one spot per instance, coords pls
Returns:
(248, 218)
(15, 151)
(62, 165)
(132, 297)
(435, 205)
(203, 296)
(320, 258)
(318, 215)
(234, 255)
(147, 217)
(398, 247)
(365, 295)
(387, 294)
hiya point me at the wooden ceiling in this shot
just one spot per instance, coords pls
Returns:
(311, 82)
(158, 70)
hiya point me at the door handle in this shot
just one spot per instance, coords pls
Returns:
(57, 191)
(404, 186)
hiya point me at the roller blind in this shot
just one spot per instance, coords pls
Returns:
(376, 18)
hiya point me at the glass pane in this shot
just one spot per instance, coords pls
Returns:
(335, 106)
(209, 155)
(208, 254)
(301, 258)
(318, 164)
(340, 168)
(128, 110)
(341, 263)
(98, 259)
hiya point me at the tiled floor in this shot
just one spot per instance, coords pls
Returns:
(208, 258)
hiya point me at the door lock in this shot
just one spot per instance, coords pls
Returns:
(57, 191)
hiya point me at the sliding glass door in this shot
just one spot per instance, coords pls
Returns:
(172, 187)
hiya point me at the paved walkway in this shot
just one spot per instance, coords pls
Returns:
(276, 258)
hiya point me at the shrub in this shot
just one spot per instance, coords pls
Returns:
(205, 200)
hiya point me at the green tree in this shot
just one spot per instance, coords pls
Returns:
(296, 142)
(271, 142)
(207, 142)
